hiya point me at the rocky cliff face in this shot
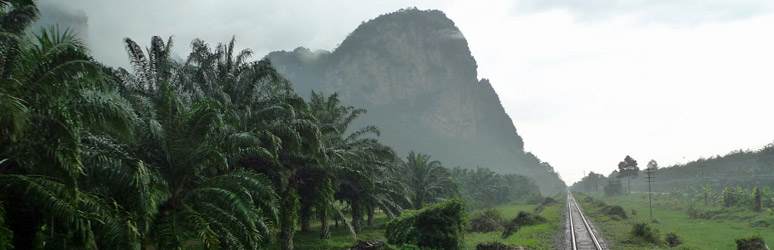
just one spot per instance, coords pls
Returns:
(414, 73)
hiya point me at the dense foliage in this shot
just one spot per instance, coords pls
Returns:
(757, 199)
(673, 240)
(438, 226)
(487, 221)
(215, 151)
(754, 242)
(483, 188)
(642, 231)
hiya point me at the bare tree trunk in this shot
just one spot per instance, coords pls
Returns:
(356, 216)
(325, 231)
(757, 200)
(306, 214)
(370, 212)
(288, 205)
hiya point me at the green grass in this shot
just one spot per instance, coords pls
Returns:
(716, 233)
(341, 238)
(534, 237)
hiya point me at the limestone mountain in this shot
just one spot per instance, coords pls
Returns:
(414, 73)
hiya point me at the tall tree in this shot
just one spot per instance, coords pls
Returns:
(652, 164)
(628, 169)
(261, 103)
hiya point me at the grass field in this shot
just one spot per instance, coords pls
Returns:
(718, 232)
(535, 237)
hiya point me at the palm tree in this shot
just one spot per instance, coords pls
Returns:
(487, 187)
(427, 181)
(49, 85)
(195, 192)
(15, 17)
(261, 103)
(55, 89)
(354, 163)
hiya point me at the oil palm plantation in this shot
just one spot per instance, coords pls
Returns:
(427, 180)
(357, 163)
(261, 104)
(215, 151)
(196, 192)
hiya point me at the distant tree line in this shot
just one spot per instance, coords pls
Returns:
(746, 169)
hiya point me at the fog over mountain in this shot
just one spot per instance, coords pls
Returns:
(414, 73)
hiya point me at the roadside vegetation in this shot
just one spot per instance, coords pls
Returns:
(679, 222)
(533, 226)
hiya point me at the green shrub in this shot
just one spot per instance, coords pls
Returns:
(645, 233)
(695, 213)
(673, 240)
(495, 246)
(614, 210)
(488, 221)
(438, 226)
(534, 199)
(368, 245)
(521, 220)
(404, 247)
(548, 201)
(753, 243)
(599, 203)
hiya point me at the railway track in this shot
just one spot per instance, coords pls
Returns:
(582, 236)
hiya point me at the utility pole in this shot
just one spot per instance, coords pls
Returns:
(650, 177)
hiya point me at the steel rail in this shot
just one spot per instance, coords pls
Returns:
(585, 223)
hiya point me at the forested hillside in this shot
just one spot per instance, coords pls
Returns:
(414, 73)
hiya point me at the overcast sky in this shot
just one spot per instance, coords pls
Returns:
(586, 82)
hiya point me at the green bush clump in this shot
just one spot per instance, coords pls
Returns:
(404, 247)
(644, 232)
(495, 246)
(534, 199)
(488, 221)
(548, 201)
(598, 203)
(521, 220)
(438, 226)
(753, 243)
(614, 210)
(695, 213)
(673, 240)
(368, 245)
